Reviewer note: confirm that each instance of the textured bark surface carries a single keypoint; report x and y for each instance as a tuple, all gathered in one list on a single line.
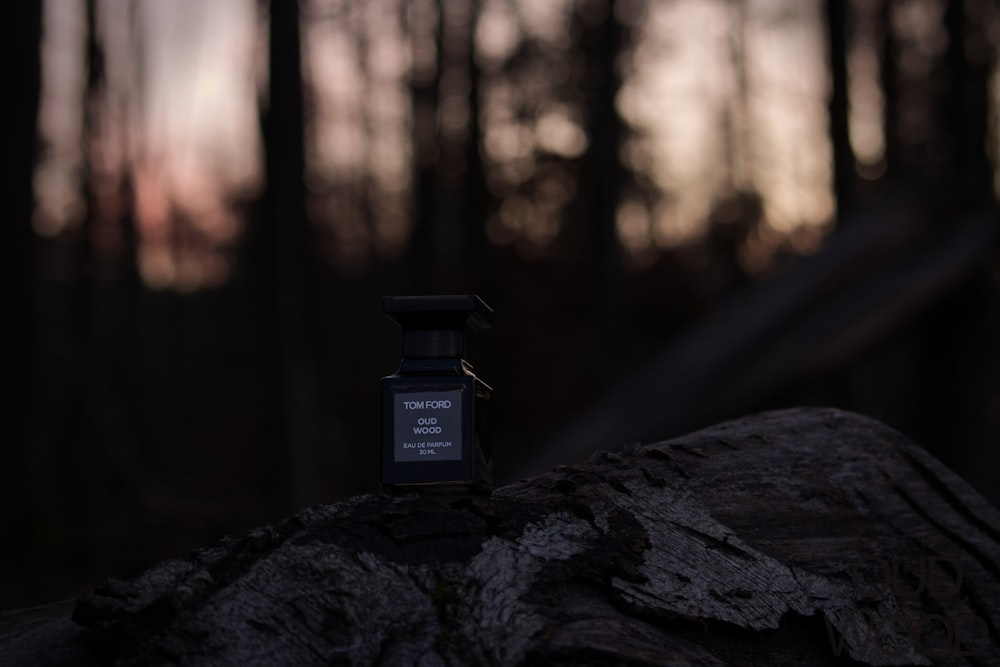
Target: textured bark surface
[(808, 536)]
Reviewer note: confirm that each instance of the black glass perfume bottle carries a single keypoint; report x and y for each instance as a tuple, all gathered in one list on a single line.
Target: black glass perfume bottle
[(435, 411)]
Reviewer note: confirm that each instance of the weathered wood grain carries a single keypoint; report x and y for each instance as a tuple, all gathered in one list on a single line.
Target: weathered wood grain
[(807, 536)]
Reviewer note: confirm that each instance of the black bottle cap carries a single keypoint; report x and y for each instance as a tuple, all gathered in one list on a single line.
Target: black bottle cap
[(434, 327)]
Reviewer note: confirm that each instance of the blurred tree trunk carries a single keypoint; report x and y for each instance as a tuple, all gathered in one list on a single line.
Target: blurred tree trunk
[(21, 53), (962, 431), (479, 268), (425, 16), (604, 177), (448, 236), (966, 107), (280, 262), (936, 129), (844, 178), (893, 155)]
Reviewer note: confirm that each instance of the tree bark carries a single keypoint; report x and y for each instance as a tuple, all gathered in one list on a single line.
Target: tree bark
[(803, 536)]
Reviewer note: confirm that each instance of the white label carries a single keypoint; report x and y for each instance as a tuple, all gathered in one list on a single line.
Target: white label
[(428, 425)]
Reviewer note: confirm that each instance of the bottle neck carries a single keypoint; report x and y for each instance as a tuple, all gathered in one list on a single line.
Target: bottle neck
[(433, 344)]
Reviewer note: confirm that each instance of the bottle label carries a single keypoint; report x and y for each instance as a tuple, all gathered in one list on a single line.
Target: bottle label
[(428, 425)]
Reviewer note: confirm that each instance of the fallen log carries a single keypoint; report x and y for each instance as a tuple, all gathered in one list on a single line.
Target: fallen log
[(805, 536)]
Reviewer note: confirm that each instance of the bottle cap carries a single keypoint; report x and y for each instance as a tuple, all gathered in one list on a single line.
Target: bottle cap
[(435, 327)]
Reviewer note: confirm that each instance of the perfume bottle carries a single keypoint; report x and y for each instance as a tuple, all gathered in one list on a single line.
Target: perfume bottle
[(436, 433)]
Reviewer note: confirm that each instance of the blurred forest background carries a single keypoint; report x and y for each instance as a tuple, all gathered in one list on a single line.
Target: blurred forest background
[(681, 211)]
